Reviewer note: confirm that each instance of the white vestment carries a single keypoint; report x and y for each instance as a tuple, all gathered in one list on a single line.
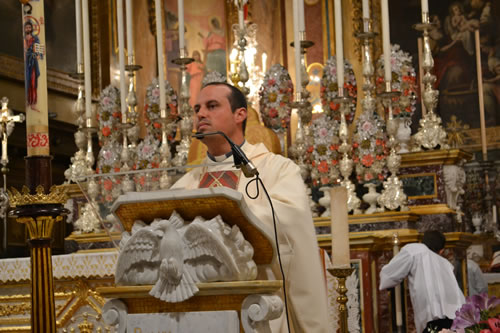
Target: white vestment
[(434, 290), (306, 290), (475, 278)]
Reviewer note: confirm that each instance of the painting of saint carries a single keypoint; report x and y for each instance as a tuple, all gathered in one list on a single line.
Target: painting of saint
[(453, 49), (205, 40), (32, 54), (215, 48)]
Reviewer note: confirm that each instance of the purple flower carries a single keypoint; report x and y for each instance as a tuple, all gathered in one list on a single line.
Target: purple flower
[(468, 315), (483, 302)]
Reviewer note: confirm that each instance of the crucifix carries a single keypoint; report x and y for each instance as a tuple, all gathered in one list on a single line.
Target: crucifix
[(7, 123)]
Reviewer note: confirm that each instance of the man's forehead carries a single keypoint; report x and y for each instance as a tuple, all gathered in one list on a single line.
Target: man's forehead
[(213, 93)]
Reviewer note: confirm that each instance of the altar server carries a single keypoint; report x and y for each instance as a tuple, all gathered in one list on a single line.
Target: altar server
[(434, 291)]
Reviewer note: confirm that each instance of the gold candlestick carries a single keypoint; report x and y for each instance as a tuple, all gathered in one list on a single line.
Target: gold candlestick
[(342, 274)]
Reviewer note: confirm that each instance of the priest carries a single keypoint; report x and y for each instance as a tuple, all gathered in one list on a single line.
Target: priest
[(222, 107)]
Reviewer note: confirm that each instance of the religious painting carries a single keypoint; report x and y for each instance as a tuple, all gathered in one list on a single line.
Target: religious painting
[(60, 43), (206, 40), (454, 52)]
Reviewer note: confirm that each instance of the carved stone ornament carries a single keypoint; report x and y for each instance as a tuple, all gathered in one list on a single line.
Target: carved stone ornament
[(175, 255), (258, 310), (454, 179)]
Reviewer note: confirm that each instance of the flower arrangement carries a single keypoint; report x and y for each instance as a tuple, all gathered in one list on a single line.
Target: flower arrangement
[(109, 113), (478, 314), (369, 147), (275, 95), (148, 153), (329, 89), (323, 154), (404, 80), (152, 108)]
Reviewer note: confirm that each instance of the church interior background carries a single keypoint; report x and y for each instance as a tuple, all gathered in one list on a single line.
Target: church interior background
[(411, 159)]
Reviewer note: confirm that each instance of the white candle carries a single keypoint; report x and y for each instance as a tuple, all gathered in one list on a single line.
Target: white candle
[(386, 40), (78, 20), (494, 208), (296, 44), (302, 22), (339, 227), (4, 149), (425, 6), (241, 21), (130, 33), (366, 9), (339, 47), (264, 61), (86, 60), (159, 50), (121, 59), (180, 6)]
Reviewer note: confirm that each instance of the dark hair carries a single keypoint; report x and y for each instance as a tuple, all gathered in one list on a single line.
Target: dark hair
[(434, 240), (236, 98), (28, 23)]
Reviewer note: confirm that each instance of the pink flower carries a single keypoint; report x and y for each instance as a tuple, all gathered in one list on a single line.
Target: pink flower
[(323, 132)]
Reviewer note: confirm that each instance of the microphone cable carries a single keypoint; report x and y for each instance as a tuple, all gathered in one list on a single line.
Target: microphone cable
[(257, 181)]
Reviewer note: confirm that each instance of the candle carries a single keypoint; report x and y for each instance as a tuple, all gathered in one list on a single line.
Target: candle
[(397, 289), (366, 9), (366, 15), (494, 208), (482, 122), (296, 44), (241, 21), (121, 59), (264, 61), (86, 60), (159, 50), (339, 227), (386, 40), (78, 20), (180, 6), (130, 34), (302, 23), (425, 6), (339, 52)]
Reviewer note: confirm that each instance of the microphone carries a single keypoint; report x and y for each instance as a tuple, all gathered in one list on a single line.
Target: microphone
[(241, 161)]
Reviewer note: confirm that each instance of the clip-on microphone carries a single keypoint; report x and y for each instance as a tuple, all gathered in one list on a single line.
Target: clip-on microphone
[(241, 161)]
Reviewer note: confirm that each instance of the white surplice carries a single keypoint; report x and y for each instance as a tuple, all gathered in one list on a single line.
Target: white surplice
[(306, 290), (434, 290)]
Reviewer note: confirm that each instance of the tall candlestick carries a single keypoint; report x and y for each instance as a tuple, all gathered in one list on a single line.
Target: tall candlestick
[(130, 33), (121, 59), (86, 60), (302, 21), (339, 227), (386, 40), (296, 45), (339, 46), (78, 20), (180, 6), (159, 50)]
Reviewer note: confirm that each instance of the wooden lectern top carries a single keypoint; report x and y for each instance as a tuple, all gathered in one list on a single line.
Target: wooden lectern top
[(205, 202)]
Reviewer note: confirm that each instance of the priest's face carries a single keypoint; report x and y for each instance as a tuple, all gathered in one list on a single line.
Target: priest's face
[(213, 113)]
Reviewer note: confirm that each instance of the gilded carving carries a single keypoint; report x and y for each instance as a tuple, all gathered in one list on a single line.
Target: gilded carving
[(7, 310)]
